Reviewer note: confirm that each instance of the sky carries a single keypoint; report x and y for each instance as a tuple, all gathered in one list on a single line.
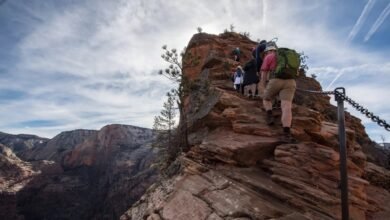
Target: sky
[(70, 64)]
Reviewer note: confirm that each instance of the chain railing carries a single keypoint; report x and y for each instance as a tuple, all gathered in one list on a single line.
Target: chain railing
[(340, 97), (364, 111), (357, 106), (316, 92)]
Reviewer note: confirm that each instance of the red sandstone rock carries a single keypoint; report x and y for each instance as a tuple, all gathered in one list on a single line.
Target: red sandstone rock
[(236, 167)]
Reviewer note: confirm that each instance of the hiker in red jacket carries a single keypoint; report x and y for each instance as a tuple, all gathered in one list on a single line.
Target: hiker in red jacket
[(285, 88)]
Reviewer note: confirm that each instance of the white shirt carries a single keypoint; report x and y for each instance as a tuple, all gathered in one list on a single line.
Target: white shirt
[(237, 80)]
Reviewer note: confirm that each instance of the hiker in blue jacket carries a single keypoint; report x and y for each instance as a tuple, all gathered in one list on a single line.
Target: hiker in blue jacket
[(258, 52)]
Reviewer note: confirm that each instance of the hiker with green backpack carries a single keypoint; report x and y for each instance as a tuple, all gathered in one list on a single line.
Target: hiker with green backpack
[(280, 66)]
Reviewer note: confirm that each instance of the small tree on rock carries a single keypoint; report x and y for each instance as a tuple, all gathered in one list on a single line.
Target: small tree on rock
[(304, 67), (231, 28), (171, 139), (174, 70), (164, 124)]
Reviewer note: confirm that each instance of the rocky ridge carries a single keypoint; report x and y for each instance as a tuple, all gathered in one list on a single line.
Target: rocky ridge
[(237, 167)]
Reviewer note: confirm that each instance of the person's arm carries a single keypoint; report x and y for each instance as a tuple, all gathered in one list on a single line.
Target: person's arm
[(264, 71), (259, 50), (264, 77)]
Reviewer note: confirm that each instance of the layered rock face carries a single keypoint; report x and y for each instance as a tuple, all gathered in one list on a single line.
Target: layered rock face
[(85, 175), (238, 168)]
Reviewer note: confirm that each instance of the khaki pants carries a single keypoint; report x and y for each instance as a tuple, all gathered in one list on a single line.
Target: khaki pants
[(285, 88)]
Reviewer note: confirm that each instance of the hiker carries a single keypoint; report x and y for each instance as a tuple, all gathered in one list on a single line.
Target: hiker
[(258, 54), (236, 54), (238, 78), (250, 77), (284, 87)]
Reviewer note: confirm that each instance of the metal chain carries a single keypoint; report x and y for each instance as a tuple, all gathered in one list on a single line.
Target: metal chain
[(316, 92), (364, 111), (361, 109)]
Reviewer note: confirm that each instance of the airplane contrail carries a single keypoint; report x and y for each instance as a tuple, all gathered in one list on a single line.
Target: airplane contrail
[(382, 17), (361, 19), (334, 80)]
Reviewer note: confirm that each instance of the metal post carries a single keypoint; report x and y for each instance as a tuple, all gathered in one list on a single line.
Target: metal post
[(343, 153)]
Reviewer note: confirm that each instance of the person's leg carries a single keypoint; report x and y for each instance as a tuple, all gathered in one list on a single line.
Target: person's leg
[(287, 96), (267, 104), (271, 90), (248, 90), (238, 86), (261, 90), (286, 113), (286, 121), (268, 108), (252, 88)]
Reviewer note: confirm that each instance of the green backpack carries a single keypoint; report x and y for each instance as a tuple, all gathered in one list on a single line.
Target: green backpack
[(288, 64)]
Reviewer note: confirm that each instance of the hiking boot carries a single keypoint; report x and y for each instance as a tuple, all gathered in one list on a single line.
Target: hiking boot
[(270, 119), (288, 138)]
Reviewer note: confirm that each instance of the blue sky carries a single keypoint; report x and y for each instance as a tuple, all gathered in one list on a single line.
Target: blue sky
[(73, 64)]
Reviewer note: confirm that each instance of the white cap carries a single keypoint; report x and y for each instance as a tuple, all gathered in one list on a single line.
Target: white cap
[(270, 47)]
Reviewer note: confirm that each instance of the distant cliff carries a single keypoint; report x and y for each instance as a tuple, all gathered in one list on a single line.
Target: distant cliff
[(22, 142), (81, 174), (57, 147), (237, 167)]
